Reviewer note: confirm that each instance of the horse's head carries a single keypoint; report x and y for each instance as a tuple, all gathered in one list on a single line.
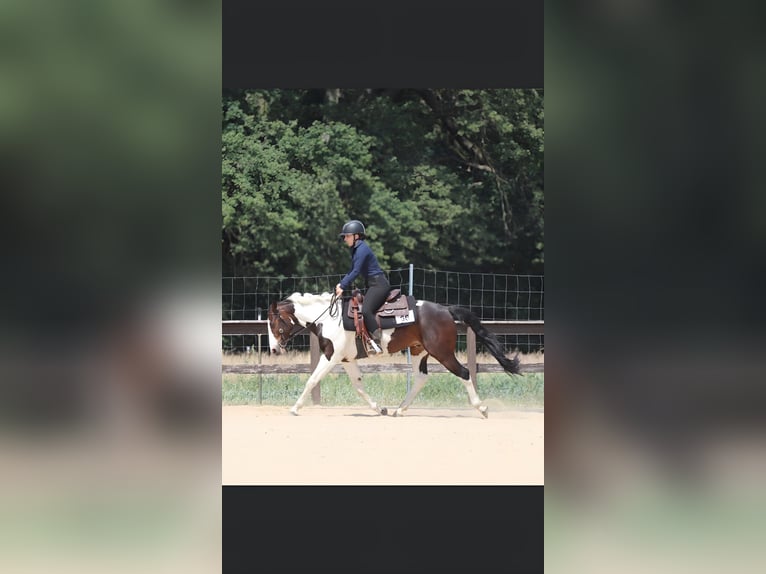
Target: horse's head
[(282, 325)]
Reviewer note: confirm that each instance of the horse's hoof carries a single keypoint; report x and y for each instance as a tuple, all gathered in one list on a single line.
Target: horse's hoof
[(294, 413), (484, 411), (384, 411)]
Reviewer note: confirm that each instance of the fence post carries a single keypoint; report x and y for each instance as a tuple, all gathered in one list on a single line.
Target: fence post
[(316, 394), (470, 346), (260, 375), (409, 355)]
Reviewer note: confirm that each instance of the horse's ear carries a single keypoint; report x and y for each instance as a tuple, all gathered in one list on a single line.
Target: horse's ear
[(272, 309)]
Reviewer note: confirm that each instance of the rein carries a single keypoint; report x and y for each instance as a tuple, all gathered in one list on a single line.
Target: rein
[(291, 335), (330, 307)]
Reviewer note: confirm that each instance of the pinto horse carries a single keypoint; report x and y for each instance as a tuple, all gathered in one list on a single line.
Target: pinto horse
[(433, 331)]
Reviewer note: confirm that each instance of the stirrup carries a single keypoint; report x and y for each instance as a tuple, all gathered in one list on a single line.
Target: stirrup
[(374, 347)]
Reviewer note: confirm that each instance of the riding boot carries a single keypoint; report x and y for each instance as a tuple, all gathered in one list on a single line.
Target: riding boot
[(377, 334)]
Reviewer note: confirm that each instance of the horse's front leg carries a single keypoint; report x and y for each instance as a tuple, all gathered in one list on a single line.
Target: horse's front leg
[(324, 367), (356, 379)]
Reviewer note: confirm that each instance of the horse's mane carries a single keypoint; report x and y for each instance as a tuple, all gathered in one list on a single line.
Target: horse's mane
[(309, 298)]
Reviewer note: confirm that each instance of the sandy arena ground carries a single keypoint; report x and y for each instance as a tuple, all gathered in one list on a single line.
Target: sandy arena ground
[(352, 445)]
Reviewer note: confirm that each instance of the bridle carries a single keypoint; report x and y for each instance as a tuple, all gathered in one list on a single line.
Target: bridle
[(292, 329), (296, 328)]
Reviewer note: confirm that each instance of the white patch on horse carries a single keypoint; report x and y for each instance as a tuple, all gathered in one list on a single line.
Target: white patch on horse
[(273, 343), (310, 298)]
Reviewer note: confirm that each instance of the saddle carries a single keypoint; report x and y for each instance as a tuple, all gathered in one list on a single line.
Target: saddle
[(395, 310), (394, 304)]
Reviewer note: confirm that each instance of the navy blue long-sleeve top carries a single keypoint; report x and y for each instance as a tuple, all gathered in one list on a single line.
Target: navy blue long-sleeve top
[(363, 262)]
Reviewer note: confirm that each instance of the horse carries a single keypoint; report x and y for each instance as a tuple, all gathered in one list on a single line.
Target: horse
[(433, 330)]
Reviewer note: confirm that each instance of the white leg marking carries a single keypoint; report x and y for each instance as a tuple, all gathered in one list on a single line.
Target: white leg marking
[(472, 396)]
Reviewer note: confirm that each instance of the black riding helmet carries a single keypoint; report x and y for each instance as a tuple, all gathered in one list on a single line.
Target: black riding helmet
[(353, 226)]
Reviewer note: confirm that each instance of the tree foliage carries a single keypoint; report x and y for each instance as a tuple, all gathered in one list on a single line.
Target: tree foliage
[(444, 179)]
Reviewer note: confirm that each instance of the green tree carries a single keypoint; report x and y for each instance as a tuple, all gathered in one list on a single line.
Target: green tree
[(448, 179)]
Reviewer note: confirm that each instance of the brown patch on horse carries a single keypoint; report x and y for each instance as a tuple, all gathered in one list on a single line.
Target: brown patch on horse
[(438, 340), (286, 307), (404, 337), (416, 349), (282, 318), (325, 345), (285, 311)]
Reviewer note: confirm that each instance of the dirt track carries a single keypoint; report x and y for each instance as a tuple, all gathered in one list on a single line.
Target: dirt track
[(352, 445)]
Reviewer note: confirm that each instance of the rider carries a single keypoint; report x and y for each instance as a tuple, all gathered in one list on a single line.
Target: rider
[(364, 263)]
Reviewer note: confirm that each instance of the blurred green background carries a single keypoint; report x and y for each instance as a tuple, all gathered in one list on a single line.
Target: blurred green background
[(110, 147), (110, 136), (655, 243)]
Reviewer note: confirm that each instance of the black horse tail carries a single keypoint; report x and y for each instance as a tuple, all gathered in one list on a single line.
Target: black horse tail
[(491, 342)]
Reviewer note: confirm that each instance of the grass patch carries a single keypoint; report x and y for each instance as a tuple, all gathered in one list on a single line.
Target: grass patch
[(441, 390)]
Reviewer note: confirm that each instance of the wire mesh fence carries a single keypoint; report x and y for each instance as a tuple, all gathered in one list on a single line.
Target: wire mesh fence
[(493, 297)]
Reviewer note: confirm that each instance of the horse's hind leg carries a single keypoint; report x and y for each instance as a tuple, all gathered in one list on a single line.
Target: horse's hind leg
[(356, 380), (454, 366), (324, 367), (419, 380)]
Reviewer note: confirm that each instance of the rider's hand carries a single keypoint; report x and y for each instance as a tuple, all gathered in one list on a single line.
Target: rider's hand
[(338, 290)]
